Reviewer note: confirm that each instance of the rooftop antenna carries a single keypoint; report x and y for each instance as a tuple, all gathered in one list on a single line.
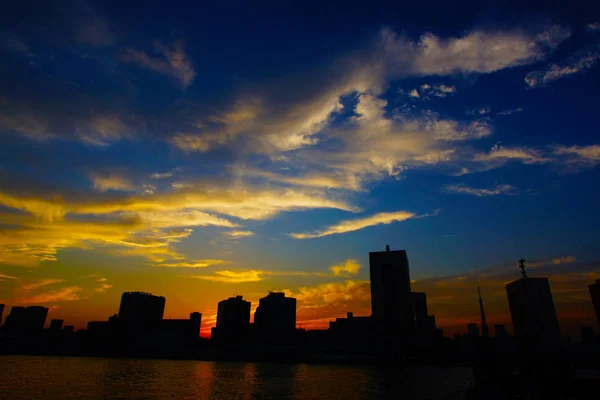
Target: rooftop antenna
[(484, 325), (522, 266), (387, 247)]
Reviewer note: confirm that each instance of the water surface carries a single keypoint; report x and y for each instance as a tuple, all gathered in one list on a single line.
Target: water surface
[(28, 377)]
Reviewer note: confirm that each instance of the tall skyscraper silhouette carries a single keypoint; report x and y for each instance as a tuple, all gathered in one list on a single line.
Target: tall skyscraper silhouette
[(275, 316), (532, 309), (391, 300), (1, 312), (484, 325), (233, 320), (595, 293), (141, 312)]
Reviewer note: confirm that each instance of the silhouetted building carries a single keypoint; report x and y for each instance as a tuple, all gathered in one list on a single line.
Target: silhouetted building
[(1, 312), (391, 300), (595, 293), (68, 329), (140, 312), (275, 316), (26, 320), (499, 330), (56, 325), (233, 320), (179, 330), (472, 329), (532, 310), (484, 325), (352, 333), (424, 323)]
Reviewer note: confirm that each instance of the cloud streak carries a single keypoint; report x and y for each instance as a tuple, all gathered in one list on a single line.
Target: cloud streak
[(567, 68), (173, 61), (481, 192), (357, 224)]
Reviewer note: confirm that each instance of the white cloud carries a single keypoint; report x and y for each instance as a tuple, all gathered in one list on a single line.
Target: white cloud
[(173, 61), (481, 192), (566, 68), (414, 93), (357, 224)]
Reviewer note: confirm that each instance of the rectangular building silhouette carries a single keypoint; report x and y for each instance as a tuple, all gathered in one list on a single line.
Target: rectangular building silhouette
[(391, 300), (140, 312), (532, 311), (233, 320), (595, 294), (275, 316)]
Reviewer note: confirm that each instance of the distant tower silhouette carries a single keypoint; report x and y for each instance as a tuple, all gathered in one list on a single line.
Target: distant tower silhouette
[(484, 325)]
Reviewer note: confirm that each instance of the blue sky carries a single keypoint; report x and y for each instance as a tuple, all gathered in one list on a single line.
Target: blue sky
[(251, 147)]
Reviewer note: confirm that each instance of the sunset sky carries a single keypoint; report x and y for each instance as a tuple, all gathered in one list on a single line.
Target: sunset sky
[(198, 151)]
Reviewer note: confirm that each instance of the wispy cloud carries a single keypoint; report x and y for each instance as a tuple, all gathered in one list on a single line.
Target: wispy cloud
[(593, 26), (163, 175), (17, 44), (481, 192), (566, 68), (427, 91), (192, 264), (588, 156), (357, 224), (173, 61), (69, 293), (106, 181), (227, 276), (510, 111), (236, 234), (4, 276), (41, 283), (501, 154)]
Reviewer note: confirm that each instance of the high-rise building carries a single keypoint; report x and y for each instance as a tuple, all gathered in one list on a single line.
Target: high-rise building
[(532, 309), (56, 325), (275, 315), (595, 293), (472, 329), (1, 312), (140, 312), (391, 300), (424, 323), (26, 320), (233, 319)]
